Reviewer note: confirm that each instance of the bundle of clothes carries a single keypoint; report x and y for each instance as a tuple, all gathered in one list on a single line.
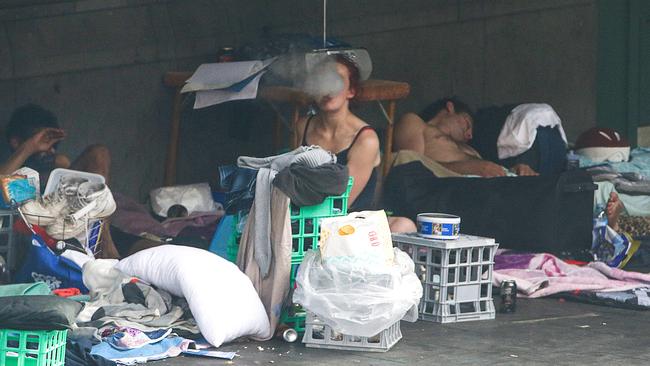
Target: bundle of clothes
[(540, 275), (261, 189)]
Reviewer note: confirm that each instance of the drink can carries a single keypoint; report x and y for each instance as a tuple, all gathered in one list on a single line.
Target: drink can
[(290, 335), (226, 54), (508, 296)]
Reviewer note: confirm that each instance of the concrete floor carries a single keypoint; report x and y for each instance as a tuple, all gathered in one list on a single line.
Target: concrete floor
[(541, 331)]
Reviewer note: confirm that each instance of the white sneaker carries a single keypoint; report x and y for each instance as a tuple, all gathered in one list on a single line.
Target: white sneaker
[(47, 210), (92, 201)]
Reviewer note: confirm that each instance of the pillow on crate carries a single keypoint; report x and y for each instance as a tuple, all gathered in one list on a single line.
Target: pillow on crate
[(221, 297)]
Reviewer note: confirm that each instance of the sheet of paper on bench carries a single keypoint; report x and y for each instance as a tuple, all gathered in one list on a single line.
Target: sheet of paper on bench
[(207, 98), (223, 75)]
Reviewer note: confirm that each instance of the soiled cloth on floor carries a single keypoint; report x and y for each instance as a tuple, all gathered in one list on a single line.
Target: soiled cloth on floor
[(311, 156), (539, 275), (274, 288), (638, 298), (125, 338), (134, 218), (119, 300), (168, 347), (307, 186), (78, 354)]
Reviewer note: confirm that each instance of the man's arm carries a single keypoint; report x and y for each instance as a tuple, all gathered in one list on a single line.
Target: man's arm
[(41, 141), (16, 160), (523, 170)]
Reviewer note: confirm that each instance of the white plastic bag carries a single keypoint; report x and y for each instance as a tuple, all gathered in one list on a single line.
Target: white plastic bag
[(355, 299), (194, 197), (361, 236)]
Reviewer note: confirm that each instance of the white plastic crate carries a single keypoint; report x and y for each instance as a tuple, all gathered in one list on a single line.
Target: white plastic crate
[(456, 276), (320, 335)]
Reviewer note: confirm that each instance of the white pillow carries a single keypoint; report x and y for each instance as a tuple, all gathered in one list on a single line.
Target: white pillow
[(221, 298)]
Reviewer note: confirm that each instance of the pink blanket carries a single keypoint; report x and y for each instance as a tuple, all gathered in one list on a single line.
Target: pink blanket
[(546, 274)]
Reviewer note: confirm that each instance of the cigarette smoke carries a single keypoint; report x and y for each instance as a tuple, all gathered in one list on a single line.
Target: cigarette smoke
[(317, 80), (323, 80)]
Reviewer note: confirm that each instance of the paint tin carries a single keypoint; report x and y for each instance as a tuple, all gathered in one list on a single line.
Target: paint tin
[(438, 226)]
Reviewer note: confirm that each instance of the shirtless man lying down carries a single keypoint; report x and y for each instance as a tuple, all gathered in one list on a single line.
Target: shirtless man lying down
[(442, 132)]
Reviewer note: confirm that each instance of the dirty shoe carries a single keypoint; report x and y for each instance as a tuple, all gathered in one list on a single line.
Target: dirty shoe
[(47, 210), (92, 201)]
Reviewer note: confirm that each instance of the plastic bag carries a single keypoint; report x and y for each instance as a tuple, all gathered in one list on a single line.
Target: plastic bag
[(608, 246), (194, 197), (363, 236), (357, 299)]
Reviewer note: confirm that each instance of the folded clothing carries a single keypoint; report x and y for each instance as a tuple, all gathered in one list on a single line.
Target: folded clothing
[(24, 289), (308, 186), (38, 312)]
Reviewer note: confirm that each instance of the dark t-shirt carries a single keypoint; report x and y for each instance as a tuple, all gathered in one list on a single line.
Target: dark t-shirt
[(44, 168)]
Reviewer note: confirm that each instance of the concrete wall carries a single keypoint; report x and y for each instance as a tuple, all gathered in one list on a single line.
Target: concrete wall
[(99, 63)]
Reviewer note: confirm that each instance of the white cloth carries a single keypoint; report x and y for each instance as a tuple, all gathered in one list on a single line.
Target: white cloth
[(520, 129), (602, 154), (194, 197)]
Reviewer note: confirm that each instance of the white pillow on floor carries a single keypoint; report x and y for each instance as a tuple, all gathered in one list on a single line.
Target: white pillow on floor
[(221, 297)]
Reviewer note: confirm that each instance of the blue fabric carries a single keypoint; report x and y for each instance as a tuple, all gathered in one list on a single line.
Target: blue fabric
[(547, 156), (552, 150), (41, 264), (135, 338), (225, 230), (239, 185), (153, 351), (639, 162)]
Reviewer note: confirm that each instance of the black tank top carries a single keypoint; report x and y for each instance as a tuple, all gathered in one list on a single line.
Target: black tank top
[(365, 199)]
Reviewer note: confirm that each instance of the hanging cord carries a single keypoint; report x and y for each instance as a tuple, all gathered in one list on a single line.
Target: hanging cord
[(324, 23)]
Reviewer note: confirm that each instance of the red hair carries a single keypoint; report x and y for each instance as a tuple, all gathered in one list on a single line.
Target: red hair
[(353, 71)]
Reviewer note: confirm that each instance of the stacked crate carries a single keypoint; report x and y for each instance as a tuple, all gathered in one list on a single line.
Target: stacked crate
[(456, 276)]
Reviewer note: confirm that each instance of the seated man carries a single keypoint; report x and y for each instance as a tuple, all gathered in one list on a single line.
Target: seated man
[(33, 134), (442, 132)]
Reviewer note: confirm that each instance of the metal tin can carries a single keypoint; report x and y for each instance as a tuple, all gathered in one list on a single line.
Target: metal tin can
[(290, 335), (226, 54), (508, 296)]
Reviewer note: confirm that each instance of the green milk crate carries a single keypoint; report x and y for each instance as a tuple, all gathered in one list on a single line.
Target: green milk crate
[(32, 347), (305, 222)]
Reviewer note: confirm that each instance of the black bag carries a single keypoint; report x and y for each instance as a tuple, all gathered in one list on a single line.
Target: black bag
[(536, 214), (547, 156)]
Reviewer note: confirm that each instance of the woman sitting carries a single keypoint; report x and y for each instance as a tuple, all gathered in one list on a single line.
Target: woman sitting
[(337, 129)]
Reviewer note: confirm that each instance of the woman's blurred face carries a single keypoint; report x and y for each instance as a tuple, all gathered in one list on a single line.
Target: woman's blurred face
[(334, 102)]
